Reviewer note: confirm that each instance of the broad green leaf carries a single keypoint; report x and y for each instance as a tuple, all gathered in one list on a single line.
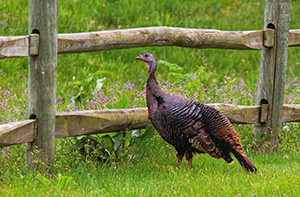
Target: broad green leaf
[(149, 132), (117, 139), (112, 134), (107, 142), (128, 139), (136, 133)]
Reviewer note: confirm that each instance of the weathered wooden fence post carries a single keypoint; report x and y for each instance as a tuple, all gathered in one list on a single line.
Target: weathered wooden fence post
[(272, 73), (42, 79)]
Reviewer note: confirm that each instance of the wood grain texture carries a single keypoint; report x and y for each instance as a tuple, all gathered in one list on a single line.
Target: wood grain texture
[(291, 113), (34, 43), (17, 133), (294, 37), (159, 36), (269, 37), (104, 121), (42, 69), (18, 46), (100, 121), (14, 46), (272, 71)]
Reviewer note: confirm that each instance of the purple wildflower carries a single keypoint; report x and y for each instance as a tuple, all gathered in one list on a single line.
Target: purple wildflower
[(3, 152)]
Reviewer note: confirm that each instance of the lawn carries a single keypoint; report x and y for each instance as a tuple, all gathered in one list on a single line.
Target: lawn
[(134, 166), (155, 174)]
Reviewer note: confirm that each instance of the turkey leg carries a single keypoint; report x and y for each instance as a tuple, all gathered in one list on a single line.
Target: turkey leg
[(179, 160), (190, 163)]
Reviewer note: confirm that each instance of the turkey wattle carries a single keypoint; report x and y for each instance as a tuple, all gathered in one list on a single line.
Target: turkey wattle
[(190, 126)]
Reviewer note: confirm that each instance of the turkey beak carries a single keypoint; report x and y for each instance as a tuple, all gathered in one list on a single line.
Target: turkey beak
[(139, 58)]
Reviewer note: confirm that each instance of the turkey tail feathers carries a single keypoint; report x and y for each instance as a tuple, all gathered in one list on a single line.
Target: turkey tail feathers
[(244, 161), (189, 126), (204, 143)]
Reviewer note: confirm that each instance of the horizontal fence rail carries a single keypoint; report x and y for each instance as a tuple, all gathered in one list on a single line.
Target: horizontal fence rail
[(22, 46), (17, 132), (100, 121), (104, 121)]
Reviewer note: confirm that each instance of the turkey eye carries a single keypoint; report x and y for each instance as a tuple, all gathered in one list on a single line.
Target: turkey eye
[(146, 55)]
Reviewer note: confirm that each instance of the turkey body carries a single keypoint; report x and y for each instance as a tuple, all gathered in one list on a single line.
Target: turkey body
[(191, 127)]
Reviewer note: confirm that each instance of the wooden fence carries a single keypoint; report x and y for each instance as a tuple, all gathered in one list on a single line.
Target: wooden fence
[(21, 46), (43, 44)]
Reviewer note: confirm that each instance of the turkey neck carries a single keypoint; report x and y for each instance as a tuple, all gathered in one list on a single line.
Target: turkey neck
[(153, 91)]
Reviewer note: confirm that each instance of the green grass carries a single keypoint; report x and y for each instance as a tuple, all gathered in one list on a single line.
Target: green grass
[(156, 175), (152, 171)]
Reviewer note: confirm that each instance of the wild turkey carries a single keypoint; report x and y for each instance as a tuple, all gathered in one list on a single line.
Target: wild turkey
[(189, 126)]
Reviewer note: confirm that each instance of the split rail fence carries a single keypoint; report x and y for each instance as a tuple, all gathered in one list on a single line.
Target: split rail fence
[(43, 44)]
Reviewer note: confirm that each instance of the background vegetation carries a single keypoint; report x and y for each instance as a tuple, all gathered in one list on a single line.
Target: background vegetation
[(140, 162)]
